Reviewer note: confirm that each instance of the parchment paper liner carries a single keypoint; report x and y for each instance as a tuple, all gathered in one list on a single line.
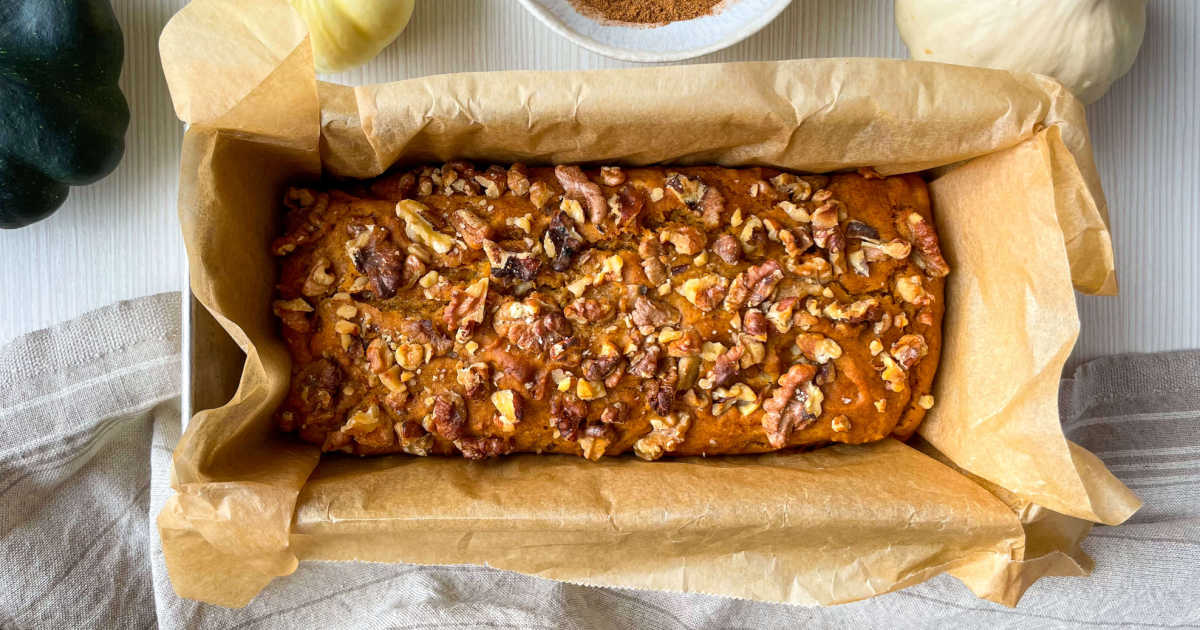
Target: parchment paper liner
[(1022, 218)]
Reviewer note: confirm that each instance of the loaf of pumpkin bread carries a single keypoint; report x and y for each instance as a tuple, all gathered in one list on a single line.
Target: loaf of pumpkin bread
[(665, 311)]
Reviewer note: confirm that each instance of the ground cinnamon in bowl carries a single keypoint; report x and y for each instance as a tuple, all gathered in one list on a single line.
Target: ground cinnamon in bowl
[(648, 12)]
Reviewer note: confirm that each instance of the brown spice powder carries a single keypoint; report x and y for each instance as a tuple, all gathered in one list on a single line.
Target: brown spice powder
[(646, 11)]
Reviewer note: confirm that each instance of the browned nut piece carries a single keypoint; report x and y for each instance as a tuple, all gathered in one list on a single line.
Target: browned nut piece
[(612, 175)]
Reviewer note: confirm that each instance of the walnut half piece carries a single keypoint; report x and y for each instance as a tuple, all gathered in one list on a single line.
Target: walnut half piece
[(482, 309)]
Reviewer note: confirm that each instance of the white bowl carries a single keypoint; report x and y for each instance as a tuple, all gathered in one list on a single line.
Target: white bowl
[(737, 20)]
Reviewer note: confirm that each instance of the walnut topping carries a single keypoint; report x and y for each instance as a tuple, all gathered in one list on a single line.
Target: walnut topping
[(562, 242), (343, 327), (410, 356), (474, 379), (710, 350), (698, 197), (471, 228), (924, 239), (792, 187), (465, 311), (392, 380), (794, 212), (780, 314), (726, 366), (579, 187), (880, 250), (705, 292), (449, 416), (840, 424), (910, 290), (794, 404), (612, 175), (727, 248), (753, 286), (875, 347), (509, 409), (539, 194), (319, 279), (589, 390), (593, 447), (588, 311), (297, 305), (645, 363), (419, 229), (755, 324), (629, 205), (739, 395), (686, 239), (379, 356), (656, 194), (518, 179), (855, 312), (506, 264), (494, 181), (909, 349), (649, 250), (381, 261), (818, 348), (925, 402), (649, 314), (892, 374), (666, 434), (881, 405), (567, 413)]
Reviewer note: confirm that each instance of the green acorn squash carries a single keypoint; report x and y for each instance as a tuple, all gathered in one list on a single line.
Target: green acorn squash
[(62, 116)]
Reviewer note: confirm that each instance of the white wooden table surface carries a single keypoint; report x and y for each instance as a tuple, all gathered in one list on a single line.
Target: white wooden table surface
[(120, 238)]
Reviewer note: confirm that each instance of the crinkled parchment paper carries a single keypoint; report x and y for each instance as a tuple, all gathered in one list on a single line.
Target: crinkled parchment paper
[(991, 492)]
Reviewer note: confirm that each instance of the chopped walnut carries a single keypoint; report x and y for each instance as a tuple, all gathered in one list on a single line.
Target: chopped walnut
[(474, 379), (509, 409), (727, 248), (562, 242), (379, 356), (909, 349), (792, 187), (794, 404), (449, 416), (507, 264), (567, 413), (539, 193), (612, 175), (666, 434), (925, 402), (518, 179), (755, 324), (928, 254), (629, 205), (588, 311), (910, 290), (578, 186), (483, 447), (780, 314), (649, 314), (818, 347), (473, 230), (727, 366), (379, 260), (494, 181), (753, 286), (862, 310), (465, 311), (650, 250), (645, 363), (840, 424), (319, 281), (419, 229), (705, 292), (686, 239), (892, 374)]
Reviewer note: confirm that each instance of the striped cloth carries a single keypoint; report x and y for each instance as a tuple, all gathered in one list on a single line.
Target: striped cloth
[(89, 414)]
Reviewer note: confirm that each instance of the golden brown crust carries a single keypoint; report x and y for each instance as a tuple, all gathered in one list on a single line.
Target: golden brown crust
[(667, 311)]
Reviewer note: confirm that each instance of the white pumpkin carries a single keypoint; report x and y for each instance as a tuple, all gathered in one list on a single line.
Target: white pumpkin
[(349, 33), (1085, 44)]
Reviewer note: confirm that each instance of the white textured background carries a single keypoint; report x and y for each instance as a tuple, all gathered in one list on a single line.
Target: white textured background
[(120, 238)]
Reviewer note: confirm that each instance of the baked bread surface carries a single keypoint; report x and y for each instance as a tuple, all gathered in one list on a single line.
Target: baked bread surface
[(664, 311)]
